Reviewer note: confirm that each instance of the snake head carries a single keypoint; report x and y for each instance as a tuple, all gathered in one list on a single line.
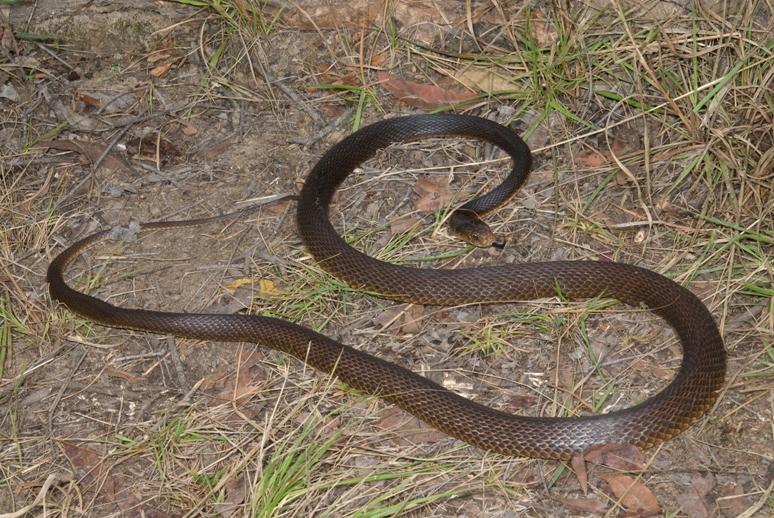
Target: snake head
[(467, 226)]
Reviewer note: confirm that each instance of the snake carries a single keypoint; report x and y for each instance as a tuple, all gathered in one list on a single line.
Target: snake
[(690, 394)]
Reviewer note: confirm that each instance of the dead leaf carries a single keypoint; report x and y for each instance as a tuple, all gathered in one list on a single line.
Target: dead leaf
[(579, 467), (211, 380), (637, 498), (584, 505), (267, 288), (158, 55), (90, 151), (380, 58), (389, 316), (235, 495), (210, 153), (238, 396), (481, 79), (326, 426), (334, 14), (519, 402), (545, 34), (424, 97), (564, 373), (433, 195), (731, 501), (589, 158), (693, 500), (85, 99), (7, 39), (701, 289), (412, 319), (160, 70), (625, 142), (624, 457), (94, 476), (145, 147), (331, 111), (527, 477), (403, 318), (401, 224), (189, 129), (728, 7), (408, 430), (277, 208), (703, 485), (225, 379), (115, 372)]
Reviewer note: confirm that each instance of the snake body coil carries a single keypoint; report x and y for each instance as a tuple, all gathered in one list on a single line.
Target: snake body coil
[(686, 399)]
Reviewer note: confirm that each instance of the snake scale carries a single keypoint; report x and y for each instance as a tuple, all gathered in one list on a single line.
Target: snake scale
[(691, 393)]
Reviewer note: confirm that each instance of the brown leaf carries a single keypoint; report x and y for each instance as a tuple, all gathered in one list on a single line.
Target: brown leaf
[(693, 505), (701, 289), (389, 316), (731, 501), (527, 477), (85, 99), (625, 142), (239, 396), (424, 97), (145, 147), (408, 429), (589, 158), (224, 380), (412, 319), (703, 485), (122, 374), (621, 178), (637, 498), (88, 150), (433, 195), (584, 505), (331, 111), (480, 79), (160, 70), (235, 495), (211, 380), (94, 476), (519, 401), (579, 466), (545, 35), (380, 58), (250, 358), (565, 374), (278, 208), (189, 129), (401, 224), (333, 14), (214, 151), (158, 55), (727, 7), (617, 456), (7, 39), (693, 499)]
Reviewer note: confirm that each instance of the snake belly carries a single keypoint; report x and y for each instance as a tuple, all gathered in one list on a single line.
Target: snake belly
[(692, 392)]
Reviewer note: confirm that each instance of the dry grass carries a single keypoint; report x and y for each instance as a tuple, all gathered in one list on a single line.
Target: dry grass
[(191, 429)]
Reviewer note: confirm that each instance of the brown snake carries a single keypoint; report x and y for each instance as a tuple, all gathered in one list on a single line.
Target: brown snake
[(686, 399)]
